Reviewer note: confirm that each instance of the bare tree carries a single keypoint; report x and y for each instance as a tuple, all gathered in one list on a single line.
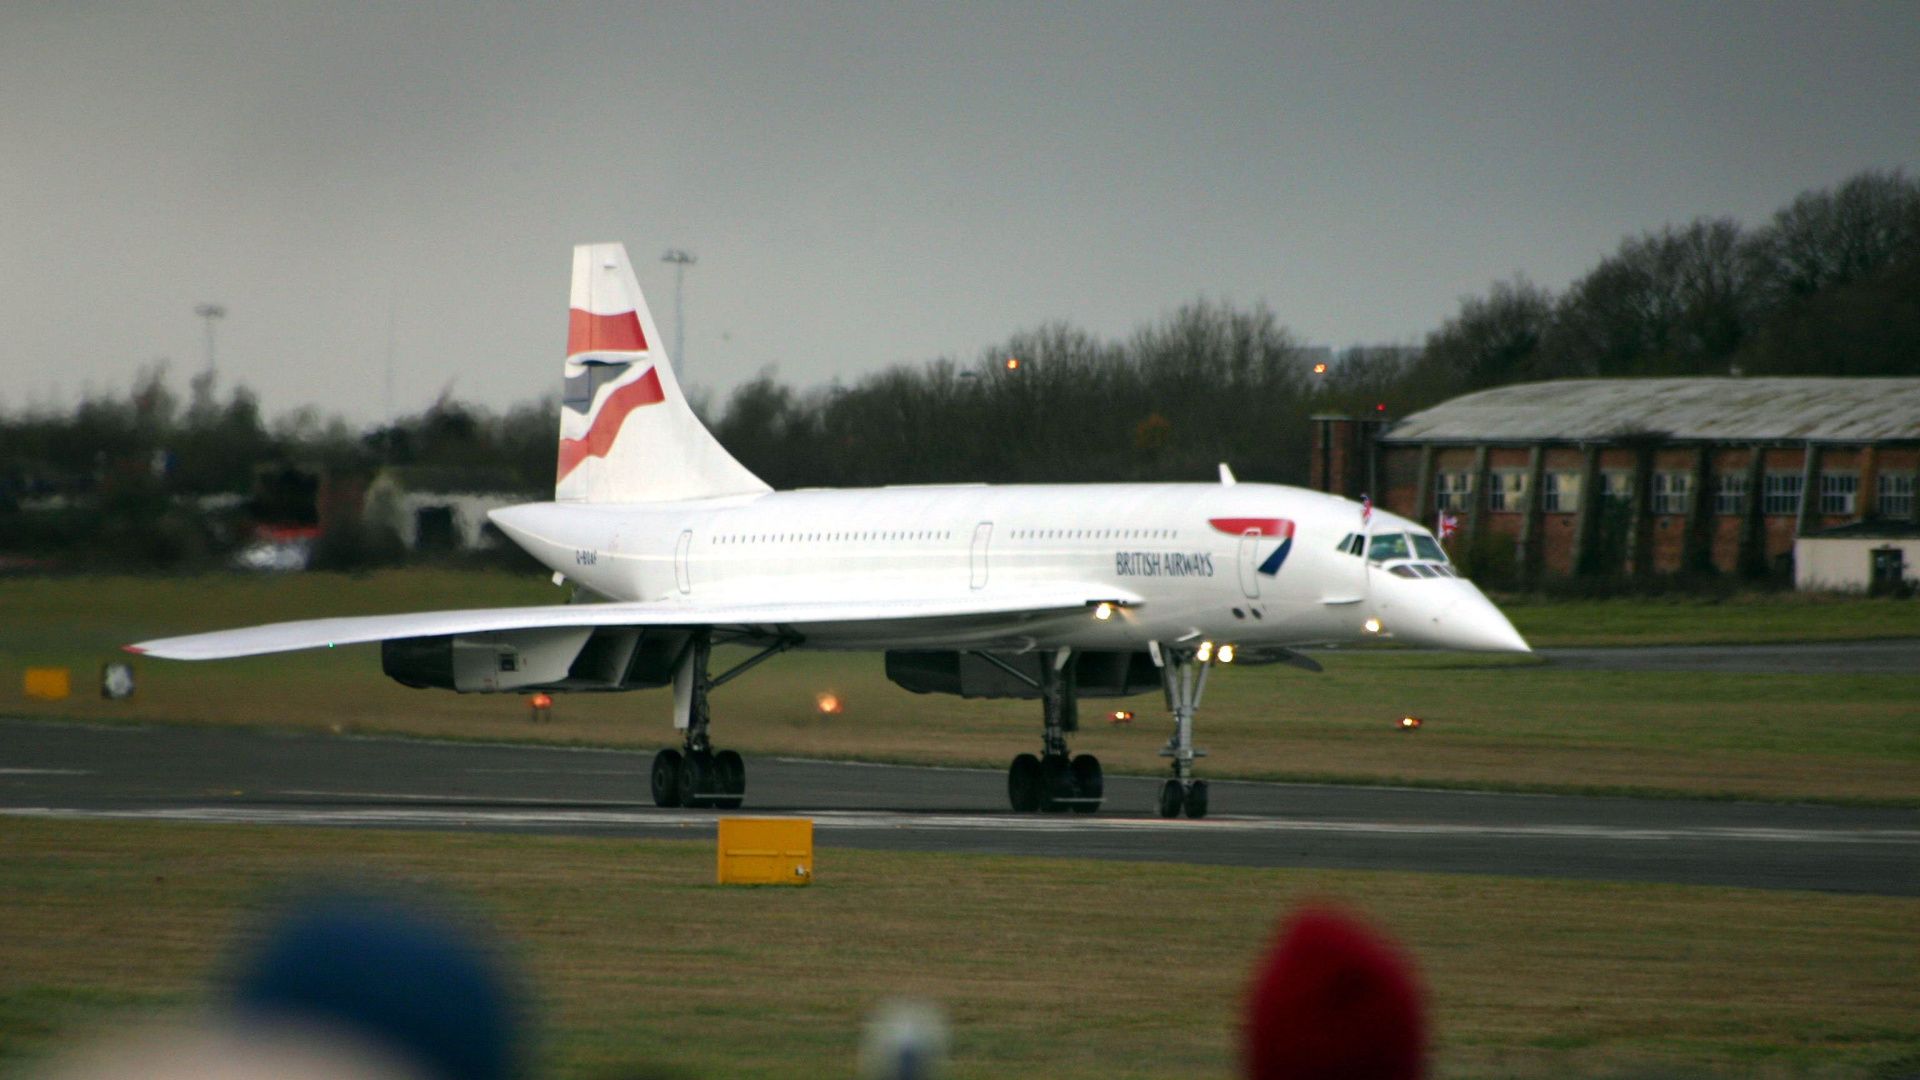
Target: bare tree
[(1494, 340)]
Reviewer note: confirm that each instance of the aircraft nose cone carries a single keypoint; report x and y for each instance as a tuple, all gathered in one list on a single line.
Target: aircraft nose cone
[(1473, 623)]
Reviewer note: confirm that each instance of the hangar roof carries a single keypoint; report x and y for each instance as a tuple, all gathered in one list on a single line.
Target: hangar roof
[(1700, 409)]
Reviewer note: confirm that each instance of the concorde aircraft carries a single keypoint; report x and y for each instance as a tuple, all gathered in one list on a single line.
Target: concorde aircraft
[(1049, 591)]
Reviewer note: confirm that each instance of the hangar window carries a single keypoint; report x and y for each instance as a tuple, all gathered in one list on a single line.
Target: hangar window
[(1838, 492), (1560, 492), (1452, 490), (1617, 485), (1507, 490), (1730, 493), (1672, 492), (1896, 495), (1781, 493)]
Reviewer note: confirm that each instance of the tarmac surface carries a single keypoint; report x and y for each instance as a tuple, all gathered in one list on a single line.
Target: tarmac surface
[(230, 775)]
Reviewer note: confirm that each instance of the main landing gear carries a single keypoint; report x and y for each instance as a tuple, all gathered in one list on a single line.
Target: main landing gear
[(697, 775), (1055, 782), (1183, 674)]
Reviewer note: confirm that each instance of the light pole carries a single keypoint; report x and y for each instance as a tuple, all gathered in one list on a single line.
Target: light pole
[(681, 259), (211, 313)]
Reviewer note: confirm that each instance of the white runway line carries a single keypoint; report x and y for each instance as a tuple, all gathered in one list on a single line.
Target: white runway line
[(857, 820), (490, 801), (46, 772)]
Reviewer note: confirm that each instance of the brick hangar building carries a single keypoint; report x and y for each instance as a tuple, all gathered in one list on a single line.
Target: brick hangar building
[(1642, 476)]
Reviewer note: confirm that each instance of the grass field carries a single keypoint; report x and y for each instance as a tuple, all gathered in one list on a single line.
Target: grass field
[(1047, 968), (1503, 723)]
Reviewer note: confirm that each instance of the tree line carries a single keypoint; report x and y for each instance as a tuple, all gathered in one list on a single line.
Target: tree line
[(1830, 285)]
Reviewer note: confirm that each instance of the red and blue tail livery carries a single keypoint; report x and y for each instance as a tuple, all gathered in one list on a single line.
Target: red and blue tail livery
[(627, 434)]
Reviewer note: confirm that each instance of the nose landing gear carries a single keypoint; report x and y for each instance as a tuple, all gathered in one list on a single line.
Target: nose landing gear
[(1184, 677)]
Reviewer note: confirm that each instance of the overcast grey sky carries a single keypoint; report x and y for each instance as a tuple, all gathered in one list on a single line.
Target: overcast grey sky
[(863, 185)]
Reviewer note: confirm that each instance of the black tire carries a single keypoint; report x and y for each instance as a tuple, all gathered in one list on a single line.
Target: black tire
[(1023, 784), (696, 778), (1089, 782), (666, 778), (1171, 796), (1197, 800), (1056, 783), (730, 779)]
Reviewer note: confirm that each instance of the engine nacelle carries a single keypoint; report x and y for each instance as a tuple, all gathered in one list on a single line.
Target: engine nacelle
[(1095, 673), (556, 660)]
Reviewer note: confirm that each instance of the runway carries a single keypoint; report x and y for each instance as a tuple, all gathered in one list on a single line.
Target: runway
[(224, 775)]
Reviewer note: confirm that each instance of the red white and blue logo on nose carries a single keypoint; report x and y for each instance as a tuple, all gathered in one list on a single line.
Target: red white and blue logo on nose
[(1276, 527)]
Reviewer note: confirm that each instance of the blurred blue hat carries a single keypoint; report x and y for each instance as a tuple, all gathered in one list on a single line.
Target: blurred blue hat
[(413, 982)]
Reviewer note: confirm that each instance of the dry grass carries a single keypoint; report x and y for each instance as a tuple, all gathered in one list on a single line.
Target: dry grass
[(1056, 968)]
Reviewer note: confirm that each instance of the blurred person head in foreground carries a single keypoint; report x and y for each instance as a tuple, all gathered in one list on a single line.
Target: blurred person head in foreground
[(1333, 998), (339, 986), (419, 985)]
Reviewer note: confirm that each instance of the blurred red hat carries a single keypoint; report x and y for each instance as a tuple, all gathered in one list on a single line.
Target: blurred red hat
[(1333, 998)]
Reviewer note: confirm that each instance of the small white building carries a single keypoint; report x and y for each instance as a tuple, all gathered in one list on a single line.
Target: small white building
[(439, 508), (1878, 557)]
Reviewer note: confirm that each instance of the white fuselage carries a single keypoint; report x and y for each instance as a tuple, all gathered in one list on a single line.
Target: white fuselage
[(1154, 546)]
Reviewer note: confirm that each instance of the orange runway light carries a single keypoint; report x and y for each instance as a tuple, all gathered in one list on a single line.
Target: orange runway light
[(828, 702), (1409, 723), (542, 705)]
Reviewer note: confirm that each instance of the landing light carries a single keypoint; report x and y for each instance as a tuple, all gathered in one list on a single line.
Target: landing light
[(1319, 369), (1013, 363), (828, 703), (1121, 716), (1371, 626), (1408, 723), (1226, 654), (1205, 652), (1103, 611)]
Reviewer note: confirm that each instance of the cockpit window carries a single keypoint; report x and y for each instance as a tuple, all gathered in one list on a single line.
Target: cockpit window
[(1389, 546), (1429, 548), (1352, 544)]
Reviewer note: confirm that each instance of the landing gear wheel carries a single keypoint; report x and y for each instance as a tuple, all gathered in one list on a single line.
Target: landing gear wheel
[(1089, 782), (1171, 796), (666, 778), (1197, 800), (696, 779), (1056, 784), (1023, 784), (730, 779)]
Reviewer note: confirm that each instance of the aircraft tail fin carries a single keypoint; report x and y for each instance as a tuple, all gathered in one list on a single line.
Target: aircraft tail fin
[(627, 433)]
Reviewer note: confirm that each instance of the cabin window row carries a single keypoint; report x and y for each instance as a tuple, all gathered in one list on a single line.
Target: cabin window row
[(829, 537), (1095, 534)]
